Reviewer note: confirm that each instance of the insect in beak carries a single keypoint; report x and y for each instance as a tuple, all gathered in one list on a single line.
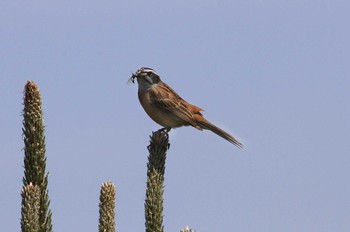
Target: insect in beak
[(132, 79)]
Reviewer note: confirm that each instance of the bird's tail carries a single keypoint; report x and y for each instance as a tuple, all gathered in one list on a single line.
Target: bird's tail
[(205, 124)]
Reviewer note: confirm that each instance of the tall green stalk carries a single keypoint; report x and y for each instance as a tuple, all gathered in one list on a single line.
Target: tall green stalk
[(158, 147), (34, 151)]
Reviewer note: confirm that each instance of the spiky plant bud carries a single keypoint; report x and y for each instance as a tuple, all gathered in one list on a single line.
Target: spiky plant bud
[(187, 230), (107, 208)]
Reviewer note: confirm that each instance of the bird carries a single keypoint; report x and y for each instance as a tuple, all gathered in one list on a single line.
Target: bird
[(168, 109)]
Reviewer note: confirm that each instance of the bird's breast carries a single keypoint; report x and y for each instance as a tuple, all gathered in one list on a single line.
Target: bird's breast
[(160, 116)]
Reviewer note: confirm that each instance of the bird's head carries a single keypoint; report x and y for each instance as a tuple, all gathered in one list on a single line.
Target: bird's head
[(146, 77)]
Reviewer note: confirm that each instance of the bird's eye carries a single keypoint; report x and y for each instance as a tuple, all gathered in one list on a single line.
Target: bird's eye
[(149, 73)]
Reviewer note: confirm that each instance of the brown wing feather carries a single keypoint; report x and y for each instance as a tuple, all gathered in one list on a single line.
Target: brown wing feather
[(167, 99)]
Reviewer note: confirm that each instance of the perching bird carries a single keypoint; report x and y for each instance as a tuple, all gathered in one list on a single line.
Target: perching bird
[(168, 109)]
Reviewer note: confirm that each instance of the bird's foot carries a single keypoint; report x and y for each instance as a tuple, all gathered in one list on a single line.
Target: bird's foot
[(164, 129)]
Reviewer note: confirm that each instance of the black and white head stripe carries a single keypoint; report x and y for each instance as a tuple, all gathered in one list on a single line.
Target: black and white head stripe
[(146, 70)]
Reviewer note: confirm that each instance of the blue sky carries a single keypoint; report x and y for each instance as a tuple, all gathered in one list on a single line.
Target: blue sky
[(275, 74)]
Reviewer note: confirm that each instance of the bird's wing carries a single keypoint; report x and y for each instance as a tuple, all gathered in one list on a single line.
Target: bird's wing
[(166, 99)]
